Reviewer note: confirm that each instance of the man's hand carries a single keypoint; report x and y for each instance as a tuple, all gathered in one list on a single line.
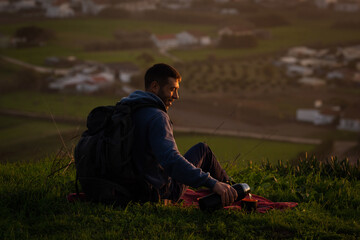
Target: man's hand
[(228, 194)]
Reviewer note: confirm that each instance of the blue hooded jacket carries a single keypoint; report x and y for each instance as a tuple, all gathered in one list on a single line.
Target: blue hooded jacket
[(155, 151)]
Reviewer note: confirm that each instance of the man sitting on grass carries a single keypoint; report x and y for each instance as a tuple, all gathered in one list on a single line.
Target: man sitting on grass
[(155, 152)]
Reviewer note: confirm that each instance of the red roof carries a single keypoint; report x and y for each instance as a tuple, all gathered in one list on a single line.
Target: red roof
[(99, 79), (166, 36)]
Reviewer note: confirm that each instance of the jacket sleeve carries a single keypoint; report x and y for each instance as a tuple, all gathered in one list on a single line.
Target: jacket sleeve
[(164, 148)]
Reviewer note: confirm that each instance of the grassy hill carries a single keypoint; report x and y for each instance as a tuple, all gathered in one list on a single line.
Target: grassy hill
[(33, 205)]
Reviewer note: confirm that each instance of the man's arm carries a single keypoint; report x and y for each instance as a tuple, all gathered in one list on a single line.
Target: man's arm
[(164, 148)]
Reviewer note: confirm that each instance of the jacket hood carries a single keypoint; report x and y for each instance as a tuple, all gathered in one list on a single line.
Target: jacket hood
[(141, 97)]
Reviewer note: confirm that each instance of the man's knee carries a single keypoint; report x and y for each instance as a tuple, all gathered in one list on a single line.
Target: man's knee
[(201, 145)]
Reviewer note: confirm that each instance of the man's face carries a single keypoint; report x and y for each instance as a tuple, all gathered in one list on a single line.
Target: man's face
[(169, 92)]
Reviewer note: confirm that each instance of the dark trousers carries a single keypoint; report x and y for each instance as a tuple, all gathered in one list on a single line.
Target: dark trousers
[(201, 156)]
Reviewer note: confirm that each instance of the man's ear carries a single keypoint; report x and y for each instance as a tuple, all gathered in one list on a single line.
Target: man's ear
[(154, 87)]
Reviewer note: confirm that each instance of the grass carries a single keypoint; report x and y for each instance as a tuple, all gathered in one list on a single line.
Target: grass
[(33, 206)]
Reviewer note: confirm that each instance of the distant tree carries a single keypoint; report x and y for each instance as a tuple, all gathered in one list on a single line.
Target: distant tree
[(33, 36)]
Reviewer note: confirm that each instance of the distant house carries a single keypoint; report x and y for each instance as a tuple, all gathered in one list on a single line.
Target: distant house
[(137, 6), (193, 38), (312, 81), (244, 30), (335, 75), (167, 41), (182, 39), (202, 39), (123, 71), (83, 82), (311, 62), (301, 52), (60, 9), (350, 53), (317, 62), (94, 6), (236, 31), (288, 60), (307, 115), (350, 120), (84, 78), (185, 38), (297, 70), (316, 116)]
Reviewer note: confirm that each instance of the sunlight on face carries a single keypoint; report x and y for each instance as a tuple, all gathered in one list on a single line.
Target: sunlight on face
[(169, 92)]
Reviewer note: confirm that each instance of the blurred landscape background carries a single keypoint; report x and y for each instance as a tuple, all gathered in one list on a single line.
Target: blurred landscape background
[(262, 80)]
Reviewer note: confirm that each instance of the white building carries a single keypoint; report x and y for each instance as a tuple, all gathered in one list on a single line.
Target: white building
[(350, 53), (315, 116), (94, 6), (302, 51), (60, 11), (350, 119), (312, 81), (349, 124), (296, 70), (165, 42), (185, 38)]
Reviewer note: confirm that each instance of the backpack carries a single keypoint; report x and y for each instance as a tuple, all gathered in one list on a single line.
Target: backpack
[(103, 158)]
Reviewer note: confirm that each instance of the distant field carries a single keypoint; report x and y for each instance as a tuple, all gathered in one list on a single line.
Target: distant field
[(238, 152), (27, 139), (300, 33), (76, 106), (73, 34), (24, 139)]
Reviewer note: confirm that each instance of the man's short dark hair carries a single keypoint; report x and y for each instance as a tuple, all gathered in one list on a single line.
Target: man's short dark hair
[(160, 73)]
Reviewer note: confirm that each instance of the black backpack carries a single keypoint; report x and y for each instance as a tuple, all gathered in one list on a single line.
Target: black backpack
[(103, 158)]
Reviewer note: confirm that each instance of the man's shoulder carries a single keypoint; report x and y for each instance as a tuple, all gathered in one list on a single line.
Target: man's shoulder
[(151, 112)]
